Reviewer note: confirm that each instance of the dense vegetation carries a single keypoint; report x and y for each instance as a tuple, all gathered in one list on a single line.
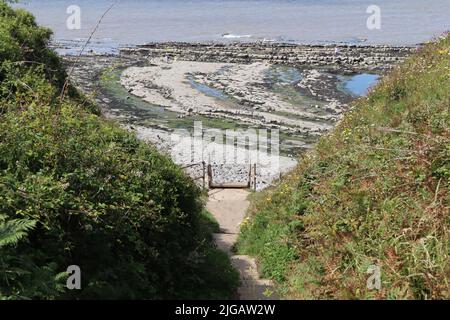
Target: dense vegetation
[(374, 192), (78, 190)]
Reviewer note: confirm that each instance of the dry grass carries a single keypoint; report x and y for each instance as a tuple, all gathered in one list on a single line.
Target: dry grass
[(373, 192)]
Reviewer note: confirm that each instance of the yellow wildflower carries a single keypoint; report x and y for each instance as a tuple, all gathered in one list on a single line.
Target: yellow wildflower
[(245, 222)]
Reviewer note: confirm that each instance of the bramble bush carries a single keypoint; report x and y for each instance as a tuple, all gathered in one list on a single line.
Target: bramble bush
[(77, 189)]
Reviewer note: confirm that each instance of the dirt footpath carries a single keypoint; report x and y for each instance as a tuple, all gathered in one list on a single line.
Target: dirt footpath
[(229, 206)]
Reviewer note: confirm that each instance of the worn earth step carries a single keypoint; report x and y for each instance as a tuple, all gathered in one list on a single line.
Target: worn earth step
[(229, 206), (225, 241), (246, 266), (256, 290)]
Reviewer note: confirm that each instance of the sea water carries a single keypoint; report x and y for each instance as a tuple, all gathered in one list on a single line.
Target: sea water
[(130, 22), (360, 84)]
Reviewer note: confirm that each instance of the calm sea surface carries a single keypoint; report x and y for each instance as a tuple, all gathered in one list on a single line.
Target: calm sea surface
[(301, 21)]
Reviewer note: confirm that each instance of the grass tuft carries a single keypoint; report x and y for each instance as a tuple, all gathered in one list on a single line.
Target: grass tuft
[(373, 192)]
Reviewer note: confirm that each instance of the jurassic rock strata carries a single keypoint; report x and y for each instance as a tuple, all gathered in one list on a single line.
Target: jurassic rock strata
[(345, 57), (250, 101)]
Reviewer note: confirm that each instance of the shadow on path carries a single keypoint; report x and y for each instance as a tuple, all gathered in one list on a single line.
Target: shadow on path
[(229, 206)]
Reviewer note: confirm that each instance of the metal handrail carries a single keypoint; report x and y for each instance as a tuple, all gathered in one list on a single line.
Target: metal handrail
[(208, 172), (232, 185), (203, 163)]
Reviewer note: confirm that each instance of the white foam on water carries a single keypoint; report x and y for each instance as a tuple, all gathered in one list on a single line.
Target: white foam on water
[(300, 21), (236, 36)]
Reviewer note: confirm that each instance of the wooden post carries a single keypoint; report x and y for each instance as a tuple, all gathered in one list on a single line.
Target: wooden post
[(204, 174), (254, 176), (209, 176), (249, 185)]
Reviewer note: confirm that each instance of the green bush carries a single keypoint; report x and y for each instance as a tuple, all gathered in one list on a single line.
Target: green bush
[(89, 193)]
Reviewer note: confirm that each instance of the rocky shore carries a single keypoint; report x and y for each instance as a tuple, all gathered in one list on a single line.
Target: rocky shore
[(248, 100), (344, 57), (296, 89)]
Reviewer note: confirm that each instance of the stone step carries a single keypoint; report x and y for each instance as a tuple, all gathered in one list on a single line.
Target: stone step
[(246, 266), (225, 241), (256, 290), (229, 207)]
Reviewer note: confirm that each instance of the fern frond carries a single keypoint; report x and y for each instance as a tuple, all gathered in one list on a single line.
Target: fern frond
[(13, 230)]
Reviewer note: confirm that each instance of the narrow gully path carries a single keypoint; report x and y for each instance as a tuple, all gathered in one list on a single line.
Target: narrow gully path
[(229, 206)]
